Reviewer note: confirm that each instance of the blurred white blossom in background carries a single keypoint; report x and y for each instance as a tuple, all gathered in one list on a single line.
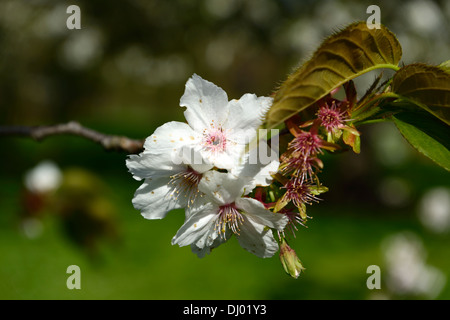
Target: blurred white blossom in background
[(43, 178), (82, 49), (40, 181), (434, 209), (406, 270)]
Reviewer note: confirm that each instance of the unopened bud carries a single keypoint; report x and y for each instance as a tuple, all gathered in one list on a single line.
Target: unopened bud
[(291, 263)]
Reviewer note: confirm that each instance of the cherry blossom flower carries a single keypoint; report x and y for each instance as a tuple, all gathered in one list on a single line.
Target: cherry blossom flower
[(220, 129), (177, 154), (227, 211), (167, 185), (203, 166)]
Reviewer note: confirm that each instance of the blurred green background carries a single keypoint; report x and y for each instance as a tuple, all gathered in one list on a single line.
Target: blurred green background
[(124, 73)]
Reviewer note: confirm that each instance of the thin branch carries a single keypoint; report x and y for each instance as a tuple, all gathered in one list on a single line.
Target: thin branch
[(109, 142)]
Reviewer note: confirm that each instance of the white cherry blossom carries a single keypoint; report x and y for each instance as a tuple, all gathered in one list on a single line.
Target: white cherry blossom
[(228, 211), (167, 184), (177, 154), (220, 128)]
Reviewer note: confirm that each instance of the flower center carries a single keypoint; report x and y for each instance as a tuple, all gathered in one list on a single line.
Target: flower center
[(229, 216), (330, 117), (214, 140), (186, 184), (299, 193), (306, 143), (299, 166)]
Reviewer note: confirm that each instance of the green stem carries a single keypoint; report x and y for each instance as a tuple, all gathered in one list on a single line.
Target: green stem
[(387, 66), (366, 111)]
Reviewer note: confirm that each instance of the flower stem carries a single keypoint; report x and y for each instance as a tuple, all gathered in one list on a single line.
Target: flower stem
[(372, 107)]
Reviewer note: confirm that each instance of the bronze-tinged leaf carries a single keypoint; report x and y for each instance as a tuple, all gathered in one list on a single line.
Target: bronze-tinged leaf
[(426, 86), (352, 139), (342, 57)]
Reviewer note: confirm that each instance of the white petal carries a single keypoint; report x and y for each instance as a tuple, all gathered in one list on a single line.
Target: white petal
[(224, 160), (265, 172), (201, 252), (204, 102), (256, 172), (201, 168), (256, 211), (198, 228), (147, 165), (248, 112), (192, 156), (170, 137), (257, 239), (153, 199), (223, 187)]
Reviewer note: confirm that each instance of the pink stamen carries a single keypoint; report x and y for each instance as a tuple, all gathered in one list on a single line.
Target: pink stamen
[(214, 140), (331, 118), (306, 143), (299, 193), (294, 218), (299, 166)]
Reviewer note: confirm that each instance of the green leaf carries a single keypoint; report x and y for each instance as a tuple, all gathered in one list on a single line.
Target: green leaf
[(427, 134), (425, 86), (342, 57)]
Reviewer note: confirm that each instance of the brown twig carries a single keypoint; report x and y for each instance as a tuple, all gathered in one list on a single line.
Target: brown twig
[(109, 142)]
